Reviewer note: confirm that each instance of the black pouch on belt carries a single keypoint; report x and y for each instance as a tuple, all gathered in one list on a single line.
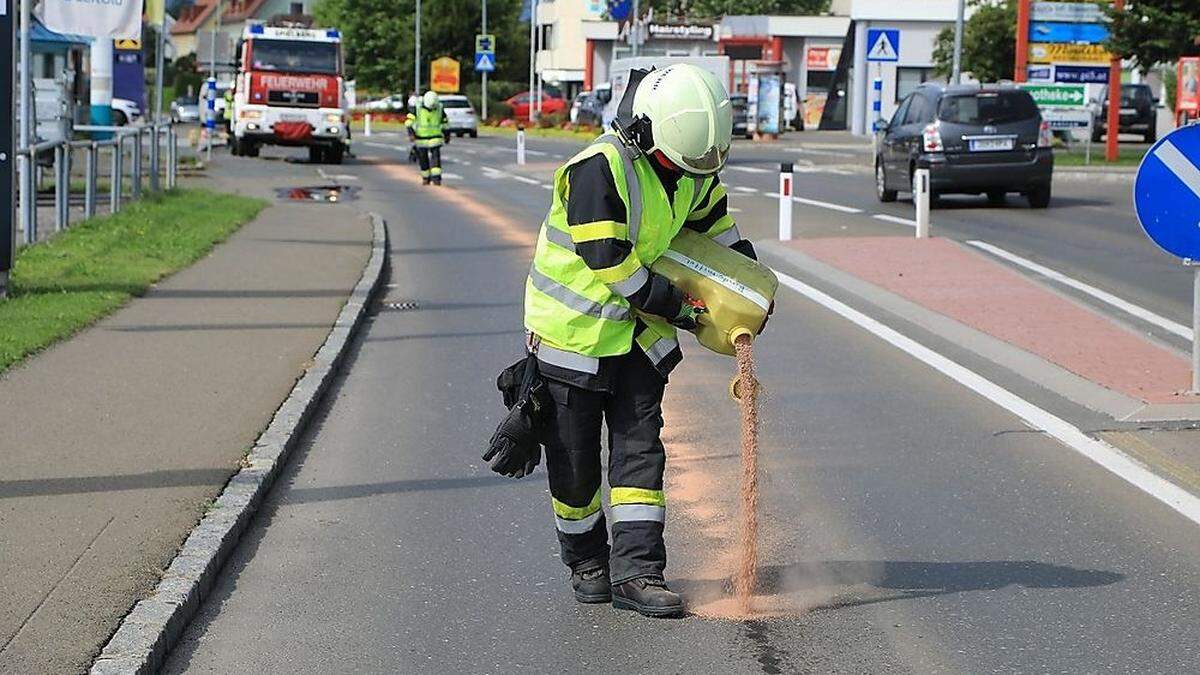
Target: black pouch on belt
[(514, 449)]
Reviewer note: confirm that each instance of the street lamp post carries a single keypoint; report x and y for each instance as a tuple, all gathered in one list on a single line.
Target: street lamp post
[(956, 74), (417, 52)]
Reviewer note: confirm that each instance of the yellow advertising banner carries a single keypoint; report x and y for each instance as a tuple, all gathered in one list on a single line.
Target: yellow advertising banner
[(1052, 52), (443, 75)]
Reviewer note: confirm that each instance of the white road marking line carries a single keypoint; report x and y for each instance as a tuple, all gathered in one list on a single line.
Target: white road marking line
[(524, 179), (733, 209), (749, 190), (749, 169), (538, 153), (548, 186), (1103, 296), (388, 146), (1179, 165), (336, 176), (451, 176), (1113, 460), (825, 153), (826, 205), (895, 219), (818, 204)]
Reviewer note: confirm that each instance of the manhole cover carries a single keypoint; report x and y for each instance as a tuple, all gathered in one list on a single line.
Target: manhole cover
[(318, 193)]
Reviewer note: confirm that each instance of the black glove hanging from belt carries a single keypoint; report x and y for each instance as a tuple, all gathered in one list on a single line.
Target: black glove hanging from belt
[(514, 450)]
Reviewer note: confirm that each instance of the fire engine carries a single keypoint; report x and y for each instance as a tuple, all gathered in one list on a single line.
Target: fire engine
[(289, 91)]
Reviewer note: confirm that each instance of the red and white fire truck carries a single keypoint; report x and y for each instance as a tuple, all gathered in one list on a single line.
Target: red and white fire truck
[(289, 91)]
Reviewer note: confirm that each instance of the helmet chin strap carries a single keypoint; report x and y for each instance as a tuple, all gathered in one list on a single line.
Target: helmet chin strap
[(633, 131)]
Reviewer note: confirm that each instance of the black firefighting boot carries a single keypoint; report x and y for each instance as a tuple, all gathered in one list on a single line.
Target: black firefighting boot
[(649, 596), (591, 584)]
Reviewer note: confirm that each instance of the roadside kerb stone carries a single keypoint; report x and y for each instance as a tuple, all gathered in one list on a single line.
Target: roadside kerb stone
[(151, 628)]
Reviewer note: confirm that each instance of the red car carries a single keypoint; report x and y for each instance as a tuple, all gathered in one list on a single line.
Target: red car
[(551, 104)]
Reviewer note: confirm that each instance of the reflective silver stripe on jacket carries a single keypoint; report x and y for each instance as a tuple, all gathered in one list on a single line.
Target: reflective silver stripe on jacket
[(660, 349), (632, 284), (633, 188), (576, 301), (728, 237), (623, 513), (581, 526), (557, 236), (568, 360)]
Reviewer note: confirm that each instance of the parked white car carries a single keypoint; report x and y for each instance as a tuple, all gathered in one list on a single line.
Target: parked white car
[(125, 111), (460, 112)]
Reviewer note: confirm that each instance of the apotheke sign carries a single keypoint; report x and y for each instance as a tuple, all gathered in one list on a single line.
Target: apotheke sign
[(681, 31)]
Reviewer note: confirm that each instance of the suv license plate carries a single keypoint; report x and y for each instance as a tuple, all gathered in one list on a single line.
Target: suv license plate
[(990, 144), (291, 117)]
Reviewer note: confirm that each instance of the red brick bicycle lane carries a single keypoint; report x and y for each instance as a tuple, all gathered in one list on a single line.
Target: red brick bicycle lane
[(942, 276)]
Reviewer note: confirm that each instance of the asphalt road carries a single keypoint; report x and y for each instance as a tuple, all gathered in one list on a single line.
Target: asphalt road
[(909, 526)]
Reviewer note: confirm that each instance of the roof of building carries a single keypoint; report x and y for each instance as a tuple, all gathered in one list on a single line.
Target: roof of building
[(40, 35), (240, 10), (192, 16)]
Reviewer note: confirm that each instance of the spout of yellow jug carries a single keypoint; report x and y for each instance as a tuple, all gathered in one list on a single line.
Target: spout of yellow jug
[(738, 332)]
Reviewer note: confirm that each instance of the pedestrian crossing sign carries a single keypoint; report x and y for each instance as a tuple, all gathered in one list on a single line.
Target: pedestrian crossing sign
[(883, 44), (485, 62)]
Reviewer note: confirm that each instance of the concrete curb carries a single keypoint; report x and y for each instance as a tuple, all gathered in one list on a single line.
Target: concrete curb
[(148, 632)]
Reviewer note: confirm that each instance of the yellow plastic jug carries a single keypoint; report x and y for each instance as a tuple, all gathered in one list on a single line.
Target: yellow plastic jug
[(737, 290)]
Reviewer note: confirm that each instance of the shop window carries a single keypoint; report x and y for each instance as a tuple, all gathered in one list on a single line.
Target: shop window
[(909, 78)]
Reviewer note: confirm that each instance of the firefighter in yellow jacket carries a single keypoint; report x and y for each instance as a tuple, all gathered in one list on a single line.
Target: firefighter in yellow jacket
[(604, 326), (426, 126)]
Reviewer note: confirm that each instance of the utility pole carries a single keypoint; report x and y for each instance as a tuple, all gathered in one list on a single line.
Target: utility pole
[(158, 96), (417, 51), (1021, 67), (212, 75), (484, 97), (532, 51), (956, 74)]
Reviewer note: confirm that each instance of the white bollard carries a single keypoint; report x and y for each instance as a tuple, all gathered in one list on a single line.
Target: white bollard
[(367, 125), (921, 201), (785, 201), (520, 146)]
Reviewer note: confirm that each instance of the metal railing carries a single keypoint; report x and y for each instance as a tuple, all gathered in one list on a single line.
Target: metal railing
[(116, 146)]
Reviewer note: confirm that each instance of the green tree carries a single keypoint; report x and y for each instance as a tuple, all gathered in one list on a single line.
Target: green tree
[(378, 38), (989, 42), (683, 10), (719, 8), (1155, 31)]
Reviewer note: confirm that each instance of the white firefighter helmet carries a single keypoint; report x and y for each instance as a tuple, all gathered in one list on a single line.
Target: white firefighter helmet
[(691, 119)]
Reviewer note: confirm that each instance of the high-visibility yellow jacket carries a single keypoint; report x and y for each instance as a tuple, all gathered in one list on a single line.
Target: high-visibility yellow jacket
[(428, 125), (585, 272)]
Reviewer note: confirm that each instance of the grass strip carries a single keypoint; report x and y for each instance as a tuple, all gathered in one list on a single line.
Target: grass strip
[(62, 285), (1077, 155)]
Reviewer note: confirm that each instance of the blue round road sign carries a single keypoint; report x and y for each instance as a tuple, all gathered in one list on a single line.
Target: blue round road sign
[(1166, 193)]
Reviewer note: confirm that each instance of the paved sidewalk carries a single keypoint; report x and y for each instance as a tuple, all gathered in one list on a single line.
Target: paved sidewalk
[(116, 441)]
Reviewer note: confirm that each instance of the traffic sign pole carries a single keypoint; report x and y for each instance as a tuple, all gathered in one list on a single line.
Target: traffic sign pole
[(484, 97), (1113, 123), (7, 142), (1195, 329)]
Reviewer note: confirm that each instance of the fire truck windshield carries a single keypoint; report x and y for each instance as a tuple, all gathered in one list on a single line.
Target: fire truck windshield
[(294, 56)]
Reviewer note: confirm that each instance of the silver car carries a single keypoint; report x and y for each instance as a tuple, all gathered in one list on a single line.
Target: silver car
[(460, 112), (185, 111)]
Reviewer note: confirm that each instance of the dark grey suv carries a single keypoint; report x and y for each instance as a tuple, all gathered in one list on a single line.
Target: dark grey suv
[(974, 139)]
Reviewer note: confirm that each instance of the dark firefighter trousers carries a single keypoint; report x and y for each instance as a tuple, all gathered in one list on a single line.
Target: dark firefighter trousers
[(632, 410), (430, 160)]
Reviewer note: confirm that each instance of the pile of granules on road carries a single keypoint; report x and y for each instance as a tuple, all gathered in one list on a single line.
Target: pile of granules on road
[(747, 394)]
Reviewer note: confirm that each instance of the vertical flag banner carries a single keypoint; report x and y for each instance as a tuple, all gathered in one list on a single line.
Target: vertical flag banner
[(109, 19)]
